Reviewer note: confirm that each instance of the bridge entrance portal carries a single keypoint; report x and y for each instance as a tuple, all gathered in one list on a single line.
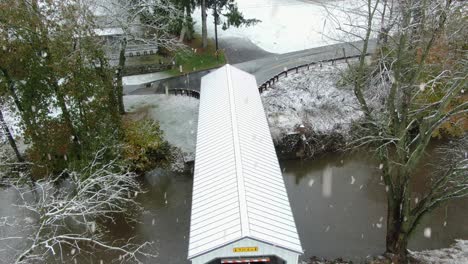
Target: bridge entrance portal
[(249, 260)]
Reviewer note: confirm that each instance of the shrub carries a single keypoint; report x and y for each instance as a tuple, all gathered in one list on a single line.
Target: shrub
[(144, 145)]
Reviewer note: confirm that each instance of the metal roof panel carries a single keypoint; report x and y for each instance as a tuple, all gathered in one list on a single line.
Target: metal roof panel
[(235, 150)]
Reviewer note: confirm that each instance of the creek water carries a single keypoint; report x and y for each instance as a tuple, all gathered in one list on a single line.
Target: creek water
[(338, 203)]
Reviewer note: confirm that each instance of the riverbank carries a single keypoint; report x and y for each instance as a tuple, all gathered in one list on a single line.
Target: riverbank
[(455, 254), (310, 113)]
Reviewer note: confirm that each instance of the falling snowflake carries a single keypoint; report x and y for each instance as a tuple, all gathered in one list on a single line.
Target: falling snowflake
[(381, 166), (352, 179), (92, 227), (422, 87), (427, 232), (311, 182)]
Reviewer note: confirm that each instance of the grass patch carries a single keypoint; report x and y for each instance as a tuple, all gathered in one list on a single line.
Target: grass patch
[(147, 60), (199, 59)]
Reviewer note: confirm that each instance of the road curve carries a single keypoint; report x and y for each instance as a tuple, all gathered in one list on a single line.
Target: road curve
[(263, 69)]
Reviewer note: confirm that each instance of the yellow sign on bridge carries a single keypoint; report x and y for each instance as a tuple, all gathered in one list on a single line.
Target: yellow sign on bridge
[(245, 249)]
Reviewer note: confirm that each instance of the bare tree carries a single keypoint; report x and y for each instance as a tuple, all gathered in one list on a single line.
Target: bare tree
[(421, 76), (63, 215)]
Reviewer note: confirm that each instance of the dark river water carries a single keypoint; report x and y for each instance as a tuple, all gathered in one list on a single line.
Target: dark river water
[(338, 203)]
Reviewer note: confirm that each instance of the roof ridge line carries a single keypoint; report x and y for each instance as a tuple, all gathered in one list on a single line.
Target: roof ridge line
[(245, 229)]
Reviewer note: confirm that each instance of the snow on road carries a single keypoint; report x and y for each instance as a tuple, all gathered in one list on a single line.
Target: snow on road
[(144, 78), (291, 25)]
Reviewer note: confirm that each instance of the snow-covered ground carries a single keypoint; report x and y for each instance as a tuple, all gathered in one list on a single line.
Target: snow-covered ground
[(177, 116), (291, 25), (310, 98), (144, 78), (12, 120), (456, 254)]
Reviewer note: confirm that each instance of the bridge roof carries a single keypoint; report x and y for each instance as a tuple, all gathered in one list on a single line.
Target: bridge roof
[(238, 188)]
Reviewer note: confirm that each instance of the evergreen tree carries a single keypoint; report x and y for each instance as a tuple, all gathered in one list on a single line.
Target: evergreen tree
[(225, 13)]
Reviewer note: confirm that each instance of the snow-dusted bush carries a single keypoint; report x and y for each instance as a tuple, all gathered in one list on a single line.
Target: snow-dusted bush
[(313, 105)]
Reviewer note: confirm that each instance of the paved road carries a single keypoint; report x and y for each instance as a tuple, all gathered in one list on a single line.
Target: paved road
[(263, 68), (239, 50)]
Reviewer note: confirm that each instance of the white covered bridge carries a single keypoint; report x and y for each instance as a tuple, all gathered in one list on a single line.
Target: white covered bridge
[(240, 207)]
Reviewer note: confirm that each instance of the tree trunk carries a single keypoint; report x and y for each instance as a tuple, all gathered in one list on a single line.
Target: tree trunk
[(397, 244), (65, 113), (188, 21), (184, 26), (216, 28), (113, 103), (11, 140), (119, 84), (11, 88), (382, 37), (204, 26), (397, 229), (182, 33)]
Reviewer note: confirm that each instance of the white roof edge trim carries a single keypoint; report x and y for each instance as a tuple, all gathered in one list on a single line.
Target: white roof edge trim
[(242, 238), (245, 230)]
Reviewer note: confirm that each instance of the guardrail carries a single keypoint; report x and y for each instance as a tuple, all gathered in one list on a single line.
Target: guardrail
[(267, 84), (186, 92)]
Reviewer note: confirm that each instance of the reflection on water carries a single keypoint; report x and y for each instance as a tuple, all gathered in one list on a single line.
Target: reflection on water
[(339, 206), (343, 212), (327, 181)]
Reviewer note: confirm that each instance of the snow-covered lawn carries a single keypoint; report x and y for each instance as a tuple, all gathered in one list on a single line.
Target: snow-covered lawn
[(177, 116), (456, 254), (291, 25), (311, 98)]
